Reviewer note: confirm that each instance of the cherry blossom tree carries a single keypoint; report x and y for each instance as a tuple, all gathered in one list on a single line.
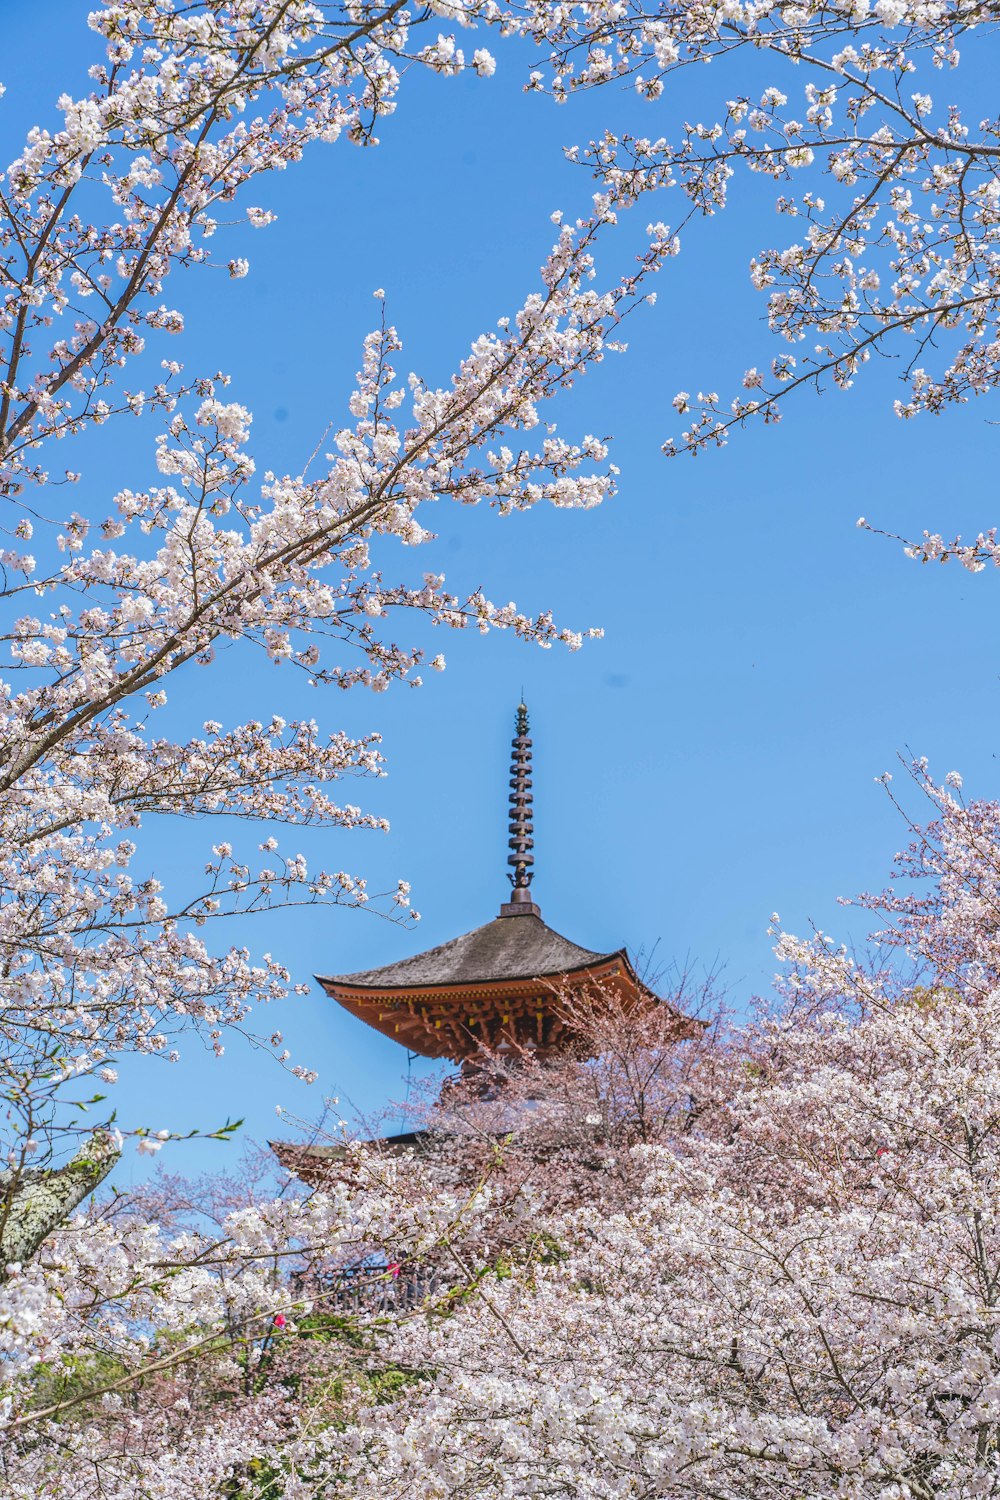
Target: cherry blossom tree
[(791, 1291), (811, 1309), (144, 1348), (892, 192), (188, 109), (106, 611), (884, 165), (798, 1298), (98, 965), (652, 1074)]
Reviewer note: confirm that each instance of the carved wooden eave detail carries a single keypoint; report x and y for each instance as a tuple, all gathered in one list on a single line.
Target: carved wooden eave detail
[(456, 1017)]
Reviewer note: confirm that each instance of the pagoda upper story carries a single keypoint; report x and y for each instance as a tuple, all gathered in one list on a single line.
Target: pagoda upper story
[(500, 987)]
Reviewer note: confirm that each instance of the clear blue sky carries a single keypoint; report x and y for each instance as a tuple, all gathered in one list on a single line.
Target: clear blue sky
[(714, 757)]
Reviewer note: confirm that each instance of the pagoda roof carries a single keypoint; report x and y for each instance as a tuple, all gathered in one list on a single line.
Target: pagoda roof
[(497, 986), (502, 986), (316, 1164), (511, 947)]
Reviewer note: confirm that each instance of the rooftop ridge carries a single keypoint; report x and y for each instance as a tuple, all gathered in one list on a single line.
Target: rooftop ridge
[(498, 950)]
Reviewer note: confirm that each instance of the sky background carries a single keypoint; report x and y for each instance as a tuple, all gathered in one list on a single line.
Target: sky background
[(712, 759)]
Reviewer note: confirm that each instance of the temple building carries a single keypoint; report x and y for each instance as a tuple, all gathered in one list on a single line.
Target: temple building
[(499, 989)]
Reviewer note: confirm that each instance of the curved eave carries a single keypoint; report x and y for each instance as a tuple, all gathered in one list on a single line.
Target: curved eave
[(335, 987), (318, 1165), (453, 1020)]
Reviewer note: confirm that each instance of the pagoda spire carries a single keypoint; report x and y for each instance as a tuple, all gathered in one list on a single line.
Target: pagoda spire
[(521, 860)]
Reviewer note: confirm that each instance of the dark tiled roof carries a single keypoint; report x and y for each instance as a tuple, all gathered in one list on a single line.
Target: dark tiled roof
[(516, 947), (292, 1154)]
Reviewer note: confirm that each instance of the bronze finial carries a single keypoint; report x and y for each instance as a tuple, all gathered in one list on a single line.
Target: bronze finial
[(521, 860)]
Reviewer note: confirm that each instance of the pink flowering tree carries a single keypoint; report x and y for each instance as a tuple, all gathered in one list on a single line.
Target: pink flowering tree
[(856, 131), (102, 610), (169, 1344), (857, 123), (188, 109), (792, 1291), (798, 1298)]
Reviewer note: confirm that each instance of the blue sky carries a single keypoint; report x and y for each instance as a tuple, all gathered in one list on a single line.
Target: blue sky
[(714, 758)]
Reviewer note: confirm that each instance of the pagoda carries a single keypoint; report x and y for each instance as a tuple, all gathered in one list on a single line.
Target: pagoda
[(497, 989)]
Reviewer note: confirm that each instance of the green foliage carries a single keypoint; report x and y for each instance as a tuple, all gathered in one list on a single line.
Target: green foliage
[(326, 1327), (73, 1382), (260, 1480), (928, 997), (378, 1386), (548, 1250)]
